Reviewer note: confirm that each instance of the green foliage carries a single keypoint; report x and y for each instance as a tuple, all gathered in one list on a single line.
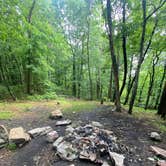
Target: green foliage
[(46, 96), (6, 115), (11, 146)]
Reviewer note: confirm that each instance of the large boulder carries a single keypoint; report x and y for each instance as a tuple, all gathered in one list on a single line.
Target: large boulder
[(18, 136)]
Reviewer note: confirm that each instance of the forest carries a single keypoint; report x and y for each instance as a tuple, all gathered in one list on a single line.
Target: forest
[(90, 49), (82, 82)]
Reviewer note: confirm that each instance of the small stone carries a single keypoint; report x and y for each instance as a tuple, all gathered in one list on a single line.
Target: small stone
[(155, 136), (63, 122), (57, 142), (40, 131), (105, 164), (87, 155), (96, 124), (151, 159), (69, 129), (56, 114), (118, 158), (52, 136)]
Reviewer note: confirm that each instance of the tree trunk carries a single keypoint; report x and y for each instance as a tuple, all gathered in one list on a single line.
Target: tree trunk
[(141, 58), (110, 86), (142, 88), (160, 86), (162, 105), (88, 54), (74, 86), (154, 62), (113, 57), (124, 46), (29, 69), (129, 85)]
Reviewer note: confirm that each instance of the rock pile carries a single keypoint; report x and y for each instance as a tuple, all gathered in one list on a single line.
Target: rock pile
[(89, 143)]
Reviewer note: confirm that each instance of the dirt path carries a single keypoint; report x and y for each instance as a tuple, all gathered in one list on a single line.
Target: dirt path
[(131, 132)]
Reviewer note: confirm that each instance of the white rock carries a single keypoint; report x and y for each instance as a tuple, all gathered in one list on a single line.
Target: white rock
[(96, 124), (40, 131), (118, 158), (105, 164), (155, 136), (63, 122)]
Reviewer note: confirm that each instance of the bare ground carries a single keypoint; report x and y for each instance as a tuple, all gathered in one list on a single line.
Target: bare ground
[(131, 132)]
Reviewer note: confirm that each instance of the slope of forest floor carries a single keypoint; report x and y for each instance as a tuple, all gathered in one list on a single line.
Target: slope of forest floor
[(132, 131)]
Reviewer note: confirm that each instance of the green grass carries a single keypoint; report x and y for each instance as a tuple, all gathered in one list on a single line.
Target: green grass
[(6, 115), (78, 105), (150, 117)]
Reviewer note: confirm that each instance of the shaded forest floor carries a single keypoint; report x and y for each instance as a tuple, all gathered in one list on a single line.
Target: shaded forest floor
[(132, 131)]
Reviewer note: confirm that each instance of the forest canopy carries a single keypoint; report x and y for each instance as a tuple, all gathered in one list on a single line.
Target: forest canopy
[(91, 49)]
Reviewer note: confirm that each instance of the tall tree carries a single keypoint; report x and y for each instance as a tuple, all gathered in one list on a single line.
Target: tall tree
[(113, 57)]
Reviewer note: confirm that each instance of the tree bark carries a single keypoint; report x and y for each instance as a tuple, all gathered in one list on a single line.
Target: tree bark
[(142, 88), (88, 54), (151, 82), (130, 82), (124, 46), (113, 57), (160, 86), (162, 105), (29, 69)]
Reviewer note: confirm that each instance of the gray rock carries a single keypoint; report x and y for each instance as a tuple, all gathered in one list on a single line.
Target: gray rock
[(18, 135), (63, 122), (2, 143), (40, 131), (4, 133), (96, 124), (69, 129), (118, 158), (52, 136), (88, 155), (57, 142), (155, 136), (66, 151)]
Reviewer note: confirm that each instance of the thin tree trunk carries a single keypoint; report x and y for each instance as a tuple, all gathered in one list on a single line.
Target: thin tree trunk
[(88, 54), (160, 86), (124, 46), (162, 105), (142, 54), (29, 70), (130, 82), (110, 86), (142, 88), (113, 57), (151, 82), (74, 86)]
